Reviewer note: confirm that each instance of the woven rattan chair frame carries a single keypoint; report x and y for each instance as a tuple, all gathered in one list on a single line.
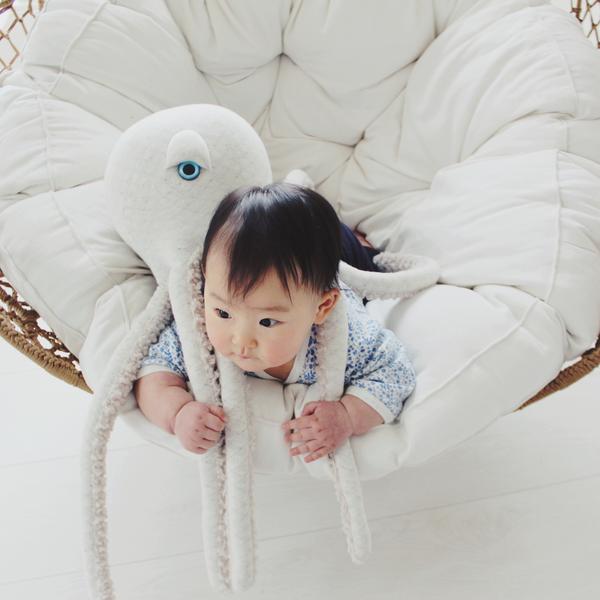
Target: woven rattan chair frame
[(22, 327)]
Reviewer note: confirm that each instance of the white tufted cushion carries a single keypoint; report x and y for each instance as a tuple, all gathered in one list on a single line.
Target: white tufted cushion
[(460, 129)]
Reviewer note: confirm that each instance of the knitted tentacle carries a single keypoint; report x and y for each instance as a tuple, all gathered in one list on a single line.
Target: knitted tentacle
[(232, 520), (348, 491), (188, 308), (332, 344), (240, 498), (111, 395), (404, 275)]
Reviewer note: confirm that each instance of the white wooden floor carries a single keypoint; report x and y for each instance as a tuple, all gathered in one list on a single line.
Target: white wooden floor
[(513, 513)]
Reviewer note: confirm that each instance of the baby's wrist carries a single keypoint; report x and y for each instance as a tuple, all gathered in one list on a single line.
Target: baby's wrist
[(173, 420), (362, 416)]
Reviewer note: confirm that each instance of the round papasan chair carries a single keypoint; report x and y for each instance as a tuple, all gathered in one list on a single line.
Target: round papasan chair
[(463, 130)]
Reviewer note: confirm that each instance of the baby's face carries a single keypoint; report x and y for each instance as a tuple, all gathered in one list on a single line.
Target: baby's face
[(266, 329)]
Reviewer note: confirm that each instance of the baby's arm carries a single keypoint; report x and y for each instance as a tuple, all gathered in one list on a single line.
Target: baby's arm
[(165, 401), (379, 372), (160, 396), (160, 389)]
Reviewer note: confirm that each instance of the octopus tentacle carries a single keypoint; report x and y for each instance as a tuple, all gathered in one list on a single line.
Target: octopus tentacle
[(202, 370), (233, 541), (109, 399), (332, 341), (403, 276)]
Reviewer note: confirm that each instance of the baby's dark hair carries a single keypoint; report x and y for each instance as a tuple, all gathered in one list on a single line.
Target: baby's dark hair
[(290, 228)]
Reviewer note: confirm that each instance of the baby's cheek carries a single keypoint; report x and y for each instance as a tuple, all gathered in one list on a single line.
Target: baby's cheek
[(216, 335), (281, 349)]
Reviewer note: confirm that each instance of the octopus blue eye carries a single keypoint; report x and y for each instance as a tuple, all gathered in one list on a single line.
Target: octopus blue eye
[(188, 170)]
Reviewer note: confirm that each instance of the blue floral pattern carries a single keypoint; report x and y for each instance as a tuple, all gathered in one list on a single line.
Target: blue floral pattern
[(378, 369)]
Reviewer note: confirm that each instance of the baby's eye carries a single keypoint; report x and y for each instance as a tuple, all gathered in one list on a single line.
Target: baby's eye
[(188, 170), (268, 326), (221, 313)]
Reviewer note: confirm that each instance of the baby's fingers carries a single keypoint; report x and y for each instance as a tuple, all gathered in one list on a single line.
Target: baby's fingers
[(213, 422), (217, 410), (317, 454), (204, 433)]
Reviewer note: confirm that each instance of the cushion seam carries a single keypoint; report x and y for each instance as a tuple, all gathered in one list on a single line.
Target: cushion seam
[(46, 140), (123, 306), (476, 356), (556, 258), (69, 223), (549, 33), (75, 39), (34, 26)]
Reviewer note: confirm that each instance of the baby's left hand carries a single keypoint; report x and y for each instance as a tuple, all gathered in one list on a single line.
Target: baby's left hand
[(323, 427)]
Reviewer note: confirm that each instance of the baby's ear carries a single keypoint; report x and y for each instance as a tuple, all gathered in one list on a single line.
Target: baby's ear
[(188, 145), (328, 302)]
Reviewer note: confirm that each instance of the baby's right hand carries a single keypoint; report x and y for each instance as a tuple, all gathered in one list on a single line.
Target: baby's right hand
[(198, 425)]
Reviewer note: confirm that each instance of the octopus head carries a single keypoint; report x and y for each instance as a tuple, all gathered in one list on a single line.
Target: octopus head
[(167, 173)]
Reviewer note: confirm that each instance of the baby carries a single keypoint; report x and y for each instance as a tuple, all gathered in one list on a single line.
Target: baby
[(269, 266)]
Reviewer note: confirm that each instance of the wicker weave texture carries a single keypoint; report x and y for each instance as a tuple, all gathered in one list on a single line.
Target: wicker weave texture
[(588, 13)]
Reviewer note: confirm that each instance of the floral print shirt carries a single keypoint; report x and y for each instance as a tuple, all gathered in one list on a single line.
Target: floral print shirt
[(378, 369)]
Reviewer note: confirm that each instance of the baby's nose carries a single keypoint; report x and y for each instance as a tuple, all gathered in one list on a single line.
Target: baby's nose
[(244, 343)]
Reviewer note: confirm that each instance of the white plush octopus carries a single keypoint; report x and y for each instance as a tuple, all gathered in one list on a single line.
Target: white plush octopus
[(164, 178)]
